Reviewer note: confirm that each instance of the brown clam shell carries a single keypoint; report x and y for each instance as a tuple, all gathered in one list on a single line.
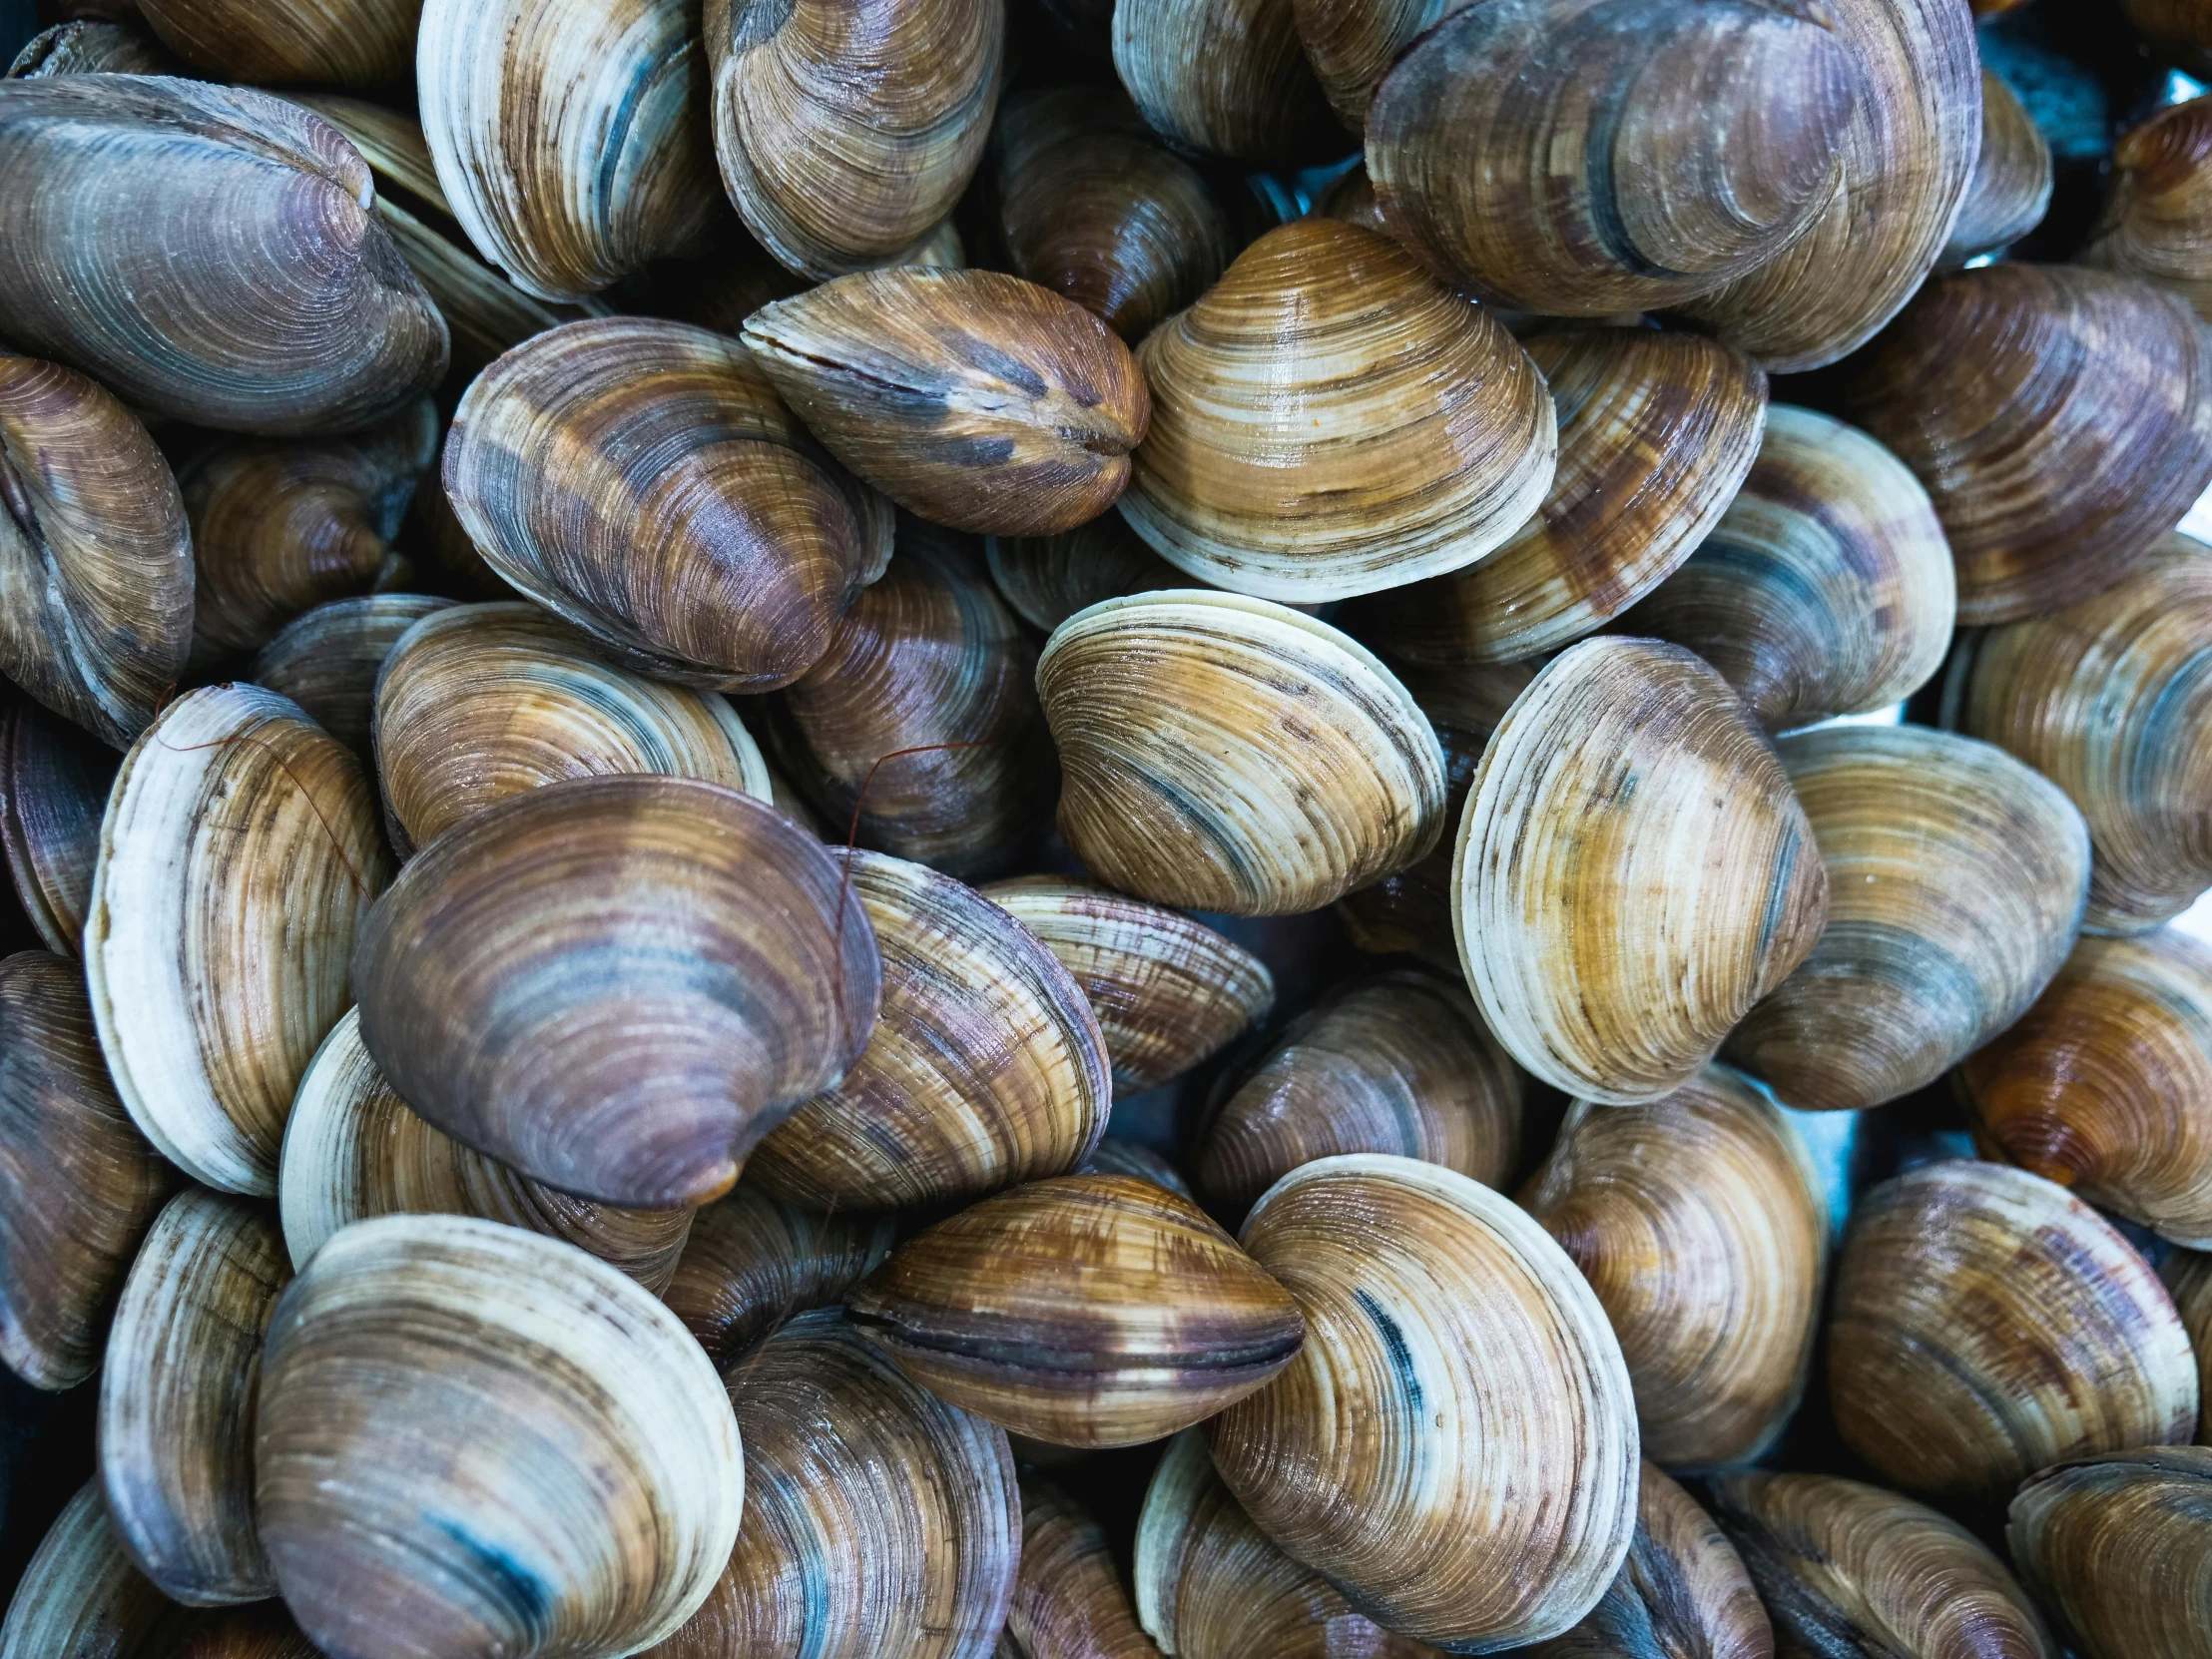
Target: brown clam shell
[(54, 784), (753, 1263), (2011, 188), (2119, 1548), (1068, 1596), (1223, 77), (327, 660), (353, 42), (2157, 222)]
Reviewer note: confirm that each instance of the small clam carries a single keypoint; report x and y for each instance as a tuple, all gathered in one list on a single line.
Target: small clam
[(261, 295), (1827, 587), (1986, 1325), (640, 480), (985, 1068), (1047, 579), (1454, 1447), (753, 1261), (237, 858), (475, 1441), (2052, 486), (2187, 1276), (2157, 222), (278, 528), (327, 660), (1219, 752), (95, 553), (177, 1397), (1699, 1222), (1955, 880), (1113, 1156), (1847, 1568), (2119, 1548), (1091, 1310), (79, 1186), (975, 398), (2011, 188), (1328, 420), (353, 42), (482, 702), (81, 1597), (617, 985), (54, 784), (1400, 1064), (91, 46), (1633, 871), (1226, 77), (879, 1519), (1169, 993), (354, 1150), (1068, 1597)]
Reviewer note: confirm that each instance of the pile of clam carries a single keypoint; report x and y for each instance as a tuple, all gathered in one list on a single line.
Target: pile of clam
[(952, 827)]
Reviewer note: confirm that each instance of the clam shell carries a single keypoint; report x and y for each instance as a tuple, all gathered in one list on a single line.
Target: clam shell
[(639, 480), (52, 788), (2011, 188), (2187, 1275), (1955, 878), (325, 660), (1219, 752), (1328, 420), (483, 702), (262, 296), (177, 1397), (1825, 589), (2175, 30), (354, 1150), (1986, 1325), (2051, 486), (1047, 579), (2119, 1548), (1091, 1310), (986, 1067), (1456, 1445), (616, 985), (1401, 1064), (81, 1597), (91, 46), (237, 858), (1698, 1220), (751, 1262), (473, 1440), (353, 42), (95, 554), (1632, 872), (1113, 1156), (1168, 991), (1352, 43), (2157, 221), (1227, 77), (1656, 433), (1068, 1596)]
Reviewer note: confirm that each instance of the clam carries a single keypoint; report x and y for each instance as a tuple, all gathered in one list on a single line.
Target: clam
[(481, 702), (1090, 1311), (91, 46), (986, 1067), (52, 788), (1698, 1220), (1827, 587), (2111, 699), (569, 138), (848, 129), (2052, 486), (1095, 208), (1986, 1325), (1219, 752), (354, 1150), (1114, 1156), (1955, 878), (2011, 188), (751, 1262), (351, 42), (617, 985), (2187, 1275), (81, 1597), (1850, 1568), (1169, 993), (879, 1519), (1576, 158), (640, 480), (78, 1184), (1068, 1596), (2157, 220), (2119, 1548), (1226, 77), (1400, 1064), (1633, 871), (237, 858), (278, 528), (1352, 43), (918, 730), (1901, 171), (261, 294), (1657, 430), (177, 1397), (95, 553), (327, 660), (1047, 579), (975, 398), (1455, 1447), (473, 1440), (1328, 420)]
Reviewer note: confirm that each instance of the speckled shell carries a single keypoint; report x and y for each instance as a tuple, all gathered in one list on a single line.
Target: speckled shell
[(1633, 871), (2052, 486), (2157, 222), (237, 858), (2011, 188), (327, 660), (54, 784), (2121, 1550), (1986, 1325), (1699, 1222), (1455, 1445), (1328, 420), (209, 253), (353, 42), (1955, 880), (753, 1261), (1068, 1596), (1221, 753), (986, 1067), (1047, 579), (1225, 77)]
